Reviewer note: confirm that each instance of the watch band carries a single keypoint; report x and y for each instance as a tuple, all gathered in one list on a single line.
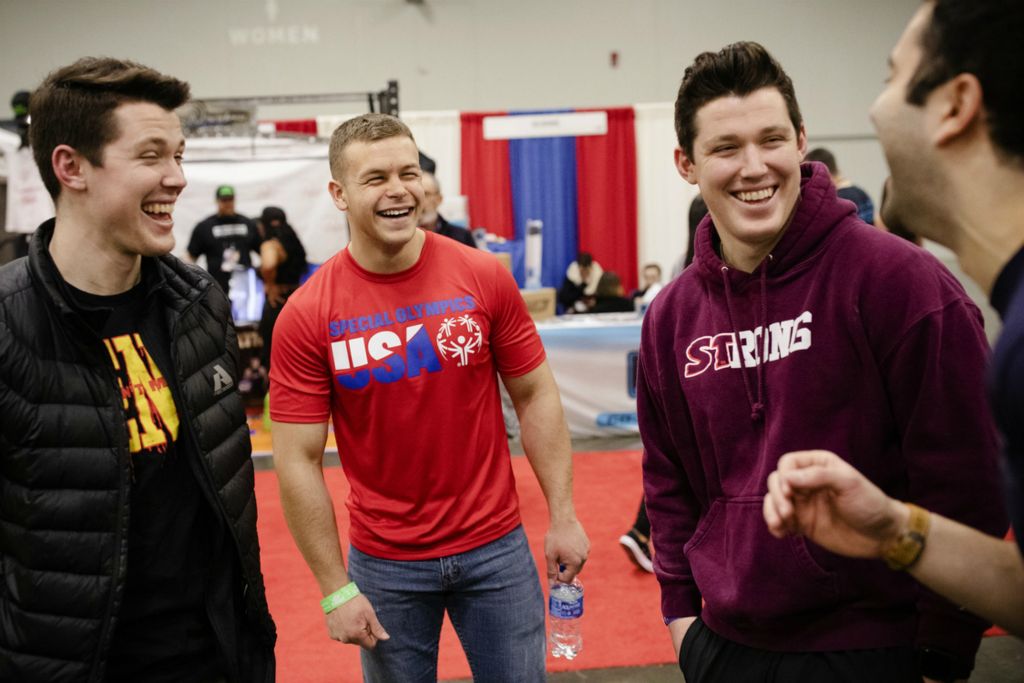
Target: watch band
[(902, 553)]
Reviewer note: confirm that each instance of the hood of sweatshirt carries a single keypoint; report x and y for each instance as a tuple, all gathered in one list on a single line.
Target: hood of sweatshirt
[(817, 212)]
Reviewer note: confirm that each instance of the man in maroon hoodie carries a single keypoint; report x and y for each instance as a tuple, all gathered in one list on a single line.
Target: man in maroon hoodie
[(797, 326)]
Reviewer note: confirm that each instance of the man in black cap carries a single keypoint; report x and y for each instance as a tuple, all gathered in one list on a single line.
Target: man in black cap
[(226, 239), (19, 124)]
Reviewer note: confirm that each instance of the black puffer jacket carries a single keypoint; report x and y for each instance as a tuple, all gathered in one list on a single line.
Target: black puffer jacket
[(65, 467)]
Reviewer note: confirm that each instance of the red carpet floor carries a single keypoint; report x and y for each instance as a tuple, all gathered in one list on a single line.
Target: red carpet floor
[(622, 625)]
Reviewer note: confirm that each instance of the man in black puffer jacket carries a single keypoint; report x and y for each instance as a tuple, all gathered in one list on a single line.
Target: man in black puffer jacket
[(128, 546)]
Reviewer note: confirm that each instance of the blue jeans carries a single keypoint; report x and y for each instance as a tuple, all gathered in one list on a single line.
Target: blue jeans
[(492, 595)]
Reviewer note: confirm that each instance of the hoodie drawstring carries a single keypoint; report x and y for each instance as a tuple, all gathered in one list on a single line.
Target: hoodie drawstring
[(756, 406)]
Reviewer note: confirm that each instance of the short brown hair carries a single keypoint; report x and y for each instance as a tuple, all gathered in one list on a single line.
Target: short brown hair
[(738, 69), (365, 128), (75, 106)]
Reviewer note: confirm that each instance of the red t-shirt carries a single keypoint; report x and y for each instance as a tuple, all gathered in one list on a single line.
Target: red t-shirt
[(406, 366)]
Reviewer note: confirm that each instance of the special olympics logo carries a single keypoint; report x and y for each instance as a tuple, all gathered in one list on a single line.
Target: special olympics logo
[(458, 338)]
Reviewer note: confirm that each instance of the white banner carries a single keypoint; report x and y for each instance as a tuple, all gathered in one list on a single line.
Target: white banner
[(28, 202), (545, 125), (290, 174), (593, 359)]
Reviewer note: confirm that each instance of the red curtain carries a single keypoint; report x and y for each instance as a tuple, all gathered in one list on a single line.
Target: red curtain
[(302, 126), (486, 180), (606, 195)]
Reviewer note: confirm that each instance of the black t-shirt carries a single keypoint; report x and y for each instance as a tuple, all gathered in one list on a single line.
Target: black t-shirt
[(162, 631), (226, 241)]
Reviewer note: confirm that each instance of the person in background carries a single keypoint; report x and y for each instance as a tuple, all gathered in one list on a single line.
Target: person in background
[(282, 266), (399, 323), (129, 549), (226, 239), (609, 295), (637, 541), (698, 209), (650, 286), (949, 123), (432, 220), (576, 294), (844, 186), (785, 332)]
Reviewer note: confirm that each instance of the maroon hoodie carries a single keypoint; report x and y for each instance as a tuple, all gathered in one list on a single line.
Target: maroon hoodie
[(844, 338)]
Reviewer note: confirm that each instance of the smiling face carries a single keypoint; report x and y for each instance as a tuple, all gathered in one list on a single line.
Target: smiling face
[(381, 192), (746, 160), (130, 198)]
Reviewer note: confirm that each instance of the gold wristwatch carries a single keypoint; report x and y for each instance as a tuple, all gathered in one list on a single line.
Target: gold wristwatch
[(902, 553)]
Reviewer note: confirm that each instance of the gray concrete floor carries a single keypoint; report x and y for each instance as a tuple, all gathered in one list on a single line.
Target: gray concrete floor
[(1000, 660)]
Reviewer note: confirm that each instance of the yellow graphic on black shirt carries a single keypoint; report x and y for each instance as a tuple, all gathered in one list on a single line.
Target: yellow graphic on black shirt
[(147, 400)]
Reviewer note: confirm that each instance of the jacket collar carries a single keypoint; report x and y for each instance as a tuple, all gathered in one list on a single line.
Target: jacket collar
[(164, 274)]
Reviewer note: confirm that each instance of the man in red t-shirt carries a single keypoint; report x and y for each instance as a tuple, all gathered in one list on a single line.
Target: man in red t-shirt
[(399, 339)]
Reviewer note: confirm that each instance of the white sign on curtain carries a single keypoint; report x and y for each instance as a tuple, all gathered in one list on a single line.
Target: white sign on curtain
[(569, 124)]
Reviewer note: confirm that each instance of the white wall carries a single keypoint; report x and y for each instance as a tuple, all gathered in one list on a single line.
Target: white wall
[(464, 54), (476, 54)]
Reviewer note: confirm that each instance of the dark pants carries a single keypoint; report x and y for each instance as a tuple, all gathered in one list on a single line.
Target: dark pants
[(642, 524), (706, 657)]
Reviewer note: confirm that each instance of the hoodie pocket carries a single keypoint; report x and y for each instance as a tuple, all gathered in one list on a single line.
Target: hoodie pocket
[(747, 576)]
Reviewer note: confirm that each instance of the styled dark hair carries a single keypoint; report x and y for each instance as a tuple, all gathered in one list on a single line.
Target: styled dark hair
[(75, 106), (365, 128), (979, 37), (738, 69), (584, 259), (824, 156)]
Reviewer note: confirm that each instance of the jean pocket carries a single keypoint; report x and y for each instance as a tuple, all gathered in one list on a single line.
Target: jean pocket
[(747, 576)]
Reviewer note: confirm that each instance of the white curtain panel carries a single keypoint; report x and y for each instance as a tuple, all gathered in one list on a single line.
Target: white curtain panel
[(291, 174), (28, 202), (664, 197)]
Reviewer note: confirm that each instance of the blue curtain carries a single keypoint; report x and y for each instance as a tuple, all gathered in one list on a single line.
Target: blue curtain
[(543, 174)]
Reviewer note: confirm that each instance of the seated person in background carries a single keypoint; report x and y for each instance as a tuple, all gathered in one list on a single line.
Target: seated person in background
[(580, 284), (282, 265), (651, 284), (608, 298), (844, 188), (434, 221)]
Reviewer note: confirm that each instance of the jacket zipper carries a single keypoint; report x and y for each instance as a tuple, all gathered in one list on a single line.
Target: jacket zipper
[(209, 489), (123, 491)]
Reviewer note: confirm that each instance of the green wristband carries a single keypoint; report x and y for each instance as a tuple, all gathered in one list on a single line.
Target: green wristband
[(339, 597)]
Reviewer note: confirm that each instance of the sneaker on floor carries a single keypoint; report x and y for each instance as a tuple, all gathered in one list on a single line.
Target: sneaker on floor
[(638, 551)]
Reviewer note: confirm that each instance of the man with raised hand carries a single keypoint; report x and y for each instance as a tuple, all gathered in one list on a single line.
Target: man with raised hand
[(949, 121)]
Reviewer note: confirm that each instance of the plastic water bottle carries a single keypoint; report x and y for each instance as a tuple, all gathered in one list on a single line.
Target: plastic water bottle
[(565, 606)]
